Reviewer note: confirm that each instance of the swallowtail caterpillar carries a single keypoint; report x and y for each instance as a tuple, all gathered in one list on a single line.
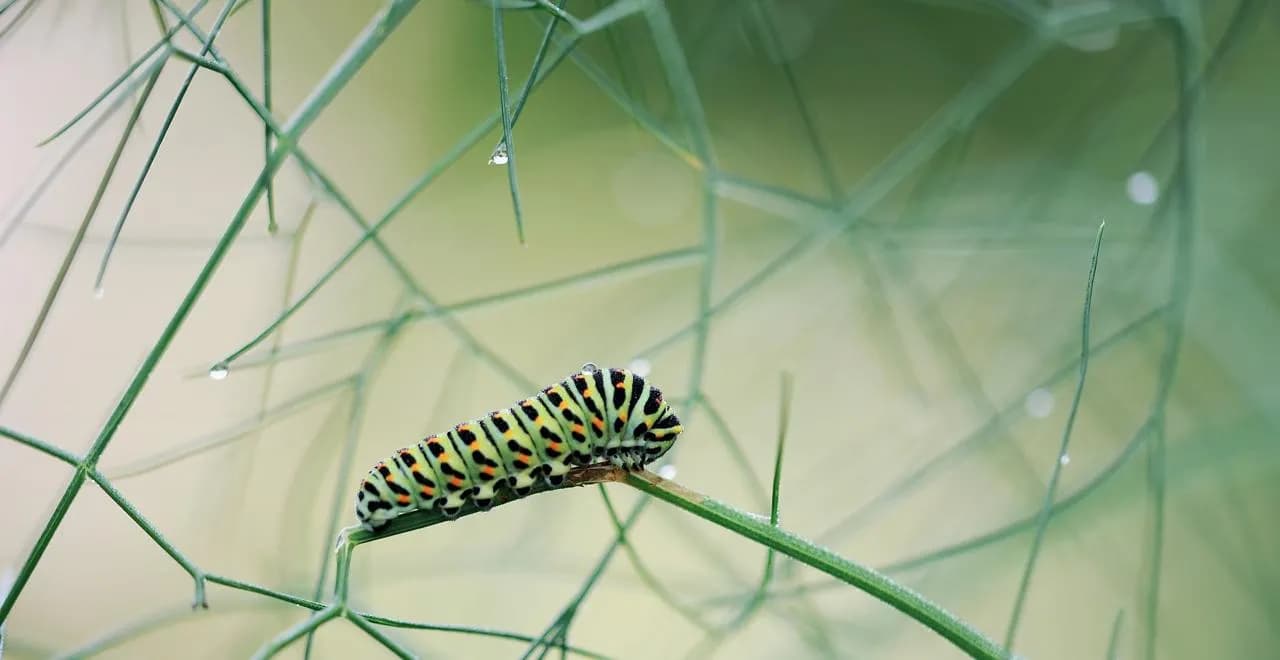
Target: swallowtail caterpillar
[(593, 416)]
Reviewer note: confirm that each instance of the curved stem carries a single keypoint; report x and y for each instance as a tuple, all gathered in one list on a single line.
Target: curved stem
[(758, 529)]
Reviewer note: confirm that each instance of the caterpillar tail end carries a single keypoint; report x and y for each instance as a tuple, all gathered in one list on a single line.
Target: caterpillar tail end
[(344, 534)]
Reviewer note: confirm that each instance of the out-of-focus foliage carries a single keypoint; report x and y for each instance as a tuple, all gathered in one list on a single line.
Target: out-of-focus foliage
[(894, 202)]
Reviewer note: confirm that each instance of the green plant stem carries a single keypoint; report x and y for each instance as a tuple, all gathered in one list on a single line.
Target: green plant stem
[(267, 133), (391, 645), (160, 44), (1046, 509), (766, 25), (957, 114), (614, 12), (559, 14), (355, 420), (784, 421), (138, 629), (1186, 39), (183, 450), (72, 250), (905, 600), (758, 596), (529, 82), (40, 446), (1113, 644), (685, 92), (660, 261), (620, 62), (646, 576), (19, 215), (559, 628), (500, 44), (292, 634), (369, 232), (985, 539), (77, 462), (389, 622), (642, 117), (1083, 17), (351, 61), (187, 565), (979, 437), (206, 44)]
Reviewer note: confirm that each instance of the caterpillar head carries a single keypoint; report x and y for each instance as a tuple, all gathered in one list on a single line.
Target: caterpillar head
[(662, 434)]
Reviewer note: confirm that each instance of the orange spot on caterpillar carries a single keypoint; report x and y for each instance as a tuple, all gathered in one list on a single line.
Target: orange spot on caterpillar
[(508, 434), (577, 428), (404, 500), (555, 446), (428, 491), (455, 481), (598, 423), (488, 469), (564, 405), (475, 444)]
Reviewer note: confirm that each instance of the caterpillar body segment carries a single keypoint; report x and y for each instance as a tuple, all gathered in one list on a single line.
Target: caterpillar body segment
[(517, 449), (548, 443), (425, 485), (450, 473), (564, 407), (484, 463), (593, 416)]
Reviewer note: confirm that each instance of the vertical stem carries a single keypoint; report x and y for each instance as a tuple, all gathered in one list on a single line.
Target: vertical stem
[(499, 40), (272, 226), (1046, 509)]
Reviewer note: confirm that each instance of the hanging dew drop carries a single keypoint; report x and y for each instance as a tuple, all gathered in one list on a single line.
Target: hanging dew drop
[(1064, 459), (499, 155), (590, 367), (219, 372), (98, 292)]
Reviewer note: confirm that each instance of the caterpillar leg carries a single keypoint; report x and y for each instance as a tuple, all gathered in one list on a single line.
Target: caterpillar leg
[(448, 508), (554, 471)]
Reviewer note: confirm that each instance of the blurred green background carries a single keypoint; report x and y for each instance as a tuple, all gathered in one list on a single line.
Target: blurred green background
[(894, 202)]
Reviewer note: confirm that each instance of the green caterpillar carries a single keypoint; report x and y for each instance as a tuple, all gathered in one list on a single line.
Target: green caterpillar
[(592, 416)]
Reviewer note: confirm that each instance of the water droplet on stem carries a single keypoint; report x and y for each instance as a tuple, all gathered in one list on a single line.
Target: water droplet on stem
[(499, 155)]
